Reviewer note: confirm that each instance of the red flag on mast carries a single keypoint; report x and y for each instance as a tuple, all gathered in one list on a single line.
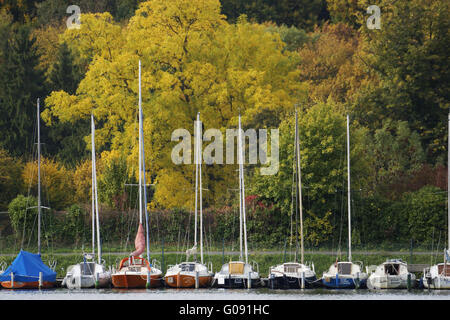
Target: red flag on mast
[(139, 242)]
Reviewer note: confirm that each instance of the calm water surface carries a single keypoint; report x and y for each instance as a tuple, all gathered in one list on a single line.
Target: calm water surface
[(222, 294)]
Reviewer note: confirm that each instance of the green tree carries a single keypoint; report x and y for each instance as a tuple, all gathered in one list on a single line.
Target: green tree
[(21, 83), (74, 224), (410, 56), (395, 152), (322, 131), (11, 182), (301, 14), (22, 218), (66, 141), (425, 210)]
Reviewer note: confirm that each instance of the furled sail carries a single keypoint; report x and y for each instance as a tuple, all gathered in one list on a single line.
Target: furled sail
[(139, 242)]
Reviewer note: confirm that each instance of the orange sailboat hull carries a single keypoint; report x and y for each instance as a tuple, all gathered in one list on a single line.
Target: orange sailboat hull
[(135, 281), (27, 285), (187, 281)]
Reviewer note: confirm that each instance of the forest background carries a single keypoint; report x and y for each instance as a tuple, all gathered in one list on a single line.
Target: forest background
[(262, 58)]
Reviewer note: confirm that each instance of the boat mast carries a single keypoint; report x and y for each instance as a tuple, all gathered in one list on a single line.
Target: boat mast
[(94, 173), (142, 165), (199, 155), (140, 150), (93, 185), (348, 193), (242, 191), (297, 147), (196, 160), (39, 178), (448, 184)]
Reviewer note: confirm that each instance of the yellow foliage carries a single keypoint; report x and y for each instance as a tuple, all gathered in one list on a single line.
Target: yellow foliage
[(192, 61), (57, 189)]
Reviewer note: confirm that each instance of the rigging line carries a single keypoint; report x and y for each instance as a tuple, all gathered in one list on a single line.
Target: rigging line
[(437, 247), (29, 191), (432, 241), (342, 207)]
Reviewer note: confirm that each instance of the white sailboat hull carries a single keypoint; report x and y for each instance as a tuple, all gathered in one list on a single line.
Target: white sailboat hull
[(439, 277), (84, 275), (439, 282), (389, 282)]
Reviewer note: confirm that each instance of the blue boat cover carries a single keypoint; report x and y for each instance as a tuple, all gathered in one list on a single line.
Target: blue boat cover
[(26, 268)]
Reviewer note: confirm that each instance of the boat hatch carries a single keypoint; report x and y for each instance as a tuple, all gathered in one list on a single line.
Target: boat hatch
[(392, 269), (344, 268), (236, 267), (441, 270), (87, 269), (187, 267), (291, 269), (134, 269)]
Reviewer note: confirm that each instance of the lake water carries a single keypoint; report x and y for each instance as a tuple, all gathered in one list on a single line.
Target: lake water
[(222, 294)]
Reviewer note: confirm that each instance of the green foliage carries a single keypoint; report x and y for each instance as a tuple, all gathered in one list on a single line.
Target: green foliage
[(111, 183), (410, 56), (301, 14), (293, 37), (425, 211), (21, 83), (22, 218), (74, 227), (395, 151), (11, 182)]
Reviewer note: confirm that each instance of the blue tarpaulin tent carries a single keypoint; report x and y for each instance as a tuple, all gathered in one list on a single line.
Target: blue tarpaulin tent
[(26, 268)]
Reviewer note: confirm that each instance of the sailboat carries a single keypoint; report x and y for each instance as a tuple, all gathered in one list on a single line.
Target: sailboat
[(135, 271), (392, 274), (239, 274), (90, 274), (28, 271), (346, 274), (438, 275), (193, 274), (294, 275)]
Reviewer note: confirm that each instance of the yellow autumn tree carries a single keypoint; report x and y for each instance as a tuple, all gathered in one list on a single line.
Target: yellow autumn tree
[(57, 189), (192, 61)]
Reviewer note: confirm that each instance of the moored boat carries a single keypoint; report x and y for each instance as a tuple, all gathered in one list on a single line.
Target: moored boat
[(193, 274), (185, 274), (239, 274), (135, 271), (392, 274), (294, 275), (438, 275), (346, 274), (90, 274), (28, 271)]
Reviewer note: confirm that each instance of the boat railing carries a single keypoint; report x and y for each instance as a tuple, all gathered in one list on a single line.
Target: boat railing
[(360, 263), (156, 264), (52, 264), (255, 265), (370, 269), (210, 267), (3, 266), (117, 263), (170, 266), (310, 265)]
